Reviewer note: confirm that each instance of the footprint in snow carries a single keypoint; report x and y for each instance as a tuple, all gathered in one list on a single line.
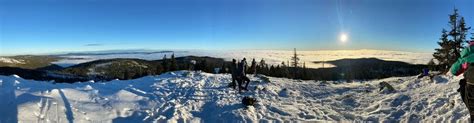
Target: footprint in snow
[(399, 100)]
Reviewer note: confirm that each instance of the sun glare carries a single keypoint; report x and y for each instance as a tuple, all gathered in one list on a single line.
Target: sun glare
[(343, 37)]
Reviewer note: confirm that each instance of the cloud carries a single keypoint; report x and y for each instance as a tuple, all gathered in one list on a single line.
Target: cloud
[(93, 45)]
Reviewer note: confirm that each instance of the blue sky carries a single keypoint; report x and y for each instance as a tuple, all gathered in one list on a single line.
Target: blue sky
[(51, 26)]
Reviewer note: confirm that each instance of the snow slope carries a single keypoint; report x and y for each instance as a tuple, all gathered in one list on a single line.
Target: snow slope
[(270, 56), (196, 96), (11, 60)]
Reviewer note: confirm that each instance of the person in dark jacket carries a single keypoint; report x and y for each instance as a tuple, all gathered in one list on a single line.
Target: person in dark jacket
[(234, 72), (242, 75), (253, 67), (243, 67)]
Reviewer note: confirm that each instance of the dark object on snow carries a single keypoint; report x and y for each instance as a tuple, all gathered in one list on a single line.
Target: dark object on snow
[(384, 86), (249, 101), (462, 89), (234, 72), (426, 72), (420, 76)]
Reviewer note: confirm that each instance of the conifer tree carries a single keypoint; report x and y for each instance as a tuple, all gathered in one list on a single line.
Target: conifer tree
[(305, 72), (224, 68), (432, 65), (202, 65), (262, 67), (272, 70), (463, 30), (295, 59), (278, 71), (159, 69), (165, 64), (451, 42), (444, 54), (173, 64), (125, 75), (457, 33), (294, 63)]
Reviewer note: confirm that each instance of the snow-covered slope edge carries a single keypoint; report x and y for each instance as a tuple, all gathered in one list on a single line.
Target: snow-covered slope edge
[(196, 96)]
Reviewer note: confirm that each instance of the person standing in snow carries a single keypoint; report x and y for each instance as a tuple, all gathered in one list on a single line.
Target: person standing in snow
[(243, 66), (234, 72), (465, 64), (242, 75), (253, 67)]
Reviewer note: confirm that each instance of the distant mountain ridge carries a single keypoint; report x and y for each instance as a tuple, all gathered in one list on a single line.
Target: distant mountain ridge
[(114, 53), (28, 61), (128, 68), (109, 69)]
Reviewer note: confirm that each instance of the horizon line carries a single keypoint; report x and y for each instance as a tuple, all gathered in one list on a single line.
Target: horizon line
[(155, 50)]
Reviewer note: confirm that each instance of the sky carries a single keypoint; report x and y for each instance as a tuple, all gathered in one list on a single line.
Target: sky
[(55, 26)]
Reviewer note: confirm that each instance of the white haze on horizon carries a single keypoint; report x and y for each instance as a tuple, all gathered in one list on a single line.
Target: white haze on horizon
[(274, 57)]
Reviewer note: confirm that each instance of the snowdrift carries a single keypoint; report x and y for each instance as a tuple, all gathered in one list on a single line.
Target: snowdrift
[(202, 97)]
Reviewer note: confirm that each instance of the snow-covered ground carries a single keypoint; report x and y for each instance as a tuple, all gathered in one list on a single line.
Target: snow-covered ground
[(195, 96), (270, 56), (11, 61)]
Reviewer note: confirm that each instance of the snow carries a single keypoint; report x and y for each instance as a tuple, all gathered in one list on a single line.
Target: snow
[(203, 97), (11, 60), (94, 70), (270, 56), (15, 76)]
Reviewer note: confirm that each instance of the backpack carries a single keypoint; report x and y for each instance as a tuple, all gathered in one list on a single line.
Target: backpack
[(249, 101)]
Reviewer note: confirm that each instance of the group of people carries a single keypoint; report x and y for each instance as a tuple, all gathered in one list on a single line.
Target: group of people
[(239, 75), (465, 64)]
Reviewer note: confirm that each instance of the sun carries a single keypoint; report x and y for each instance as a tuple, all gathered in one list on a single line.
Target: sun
[(343, 37)]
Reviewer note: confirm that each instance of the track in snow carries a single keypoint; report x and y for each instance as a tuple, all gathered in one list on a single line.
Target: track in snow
[(197, 96)]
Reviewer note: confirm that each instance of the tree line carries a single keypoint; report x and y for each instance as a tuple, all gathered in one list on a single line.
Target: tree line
[(346, 69)]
